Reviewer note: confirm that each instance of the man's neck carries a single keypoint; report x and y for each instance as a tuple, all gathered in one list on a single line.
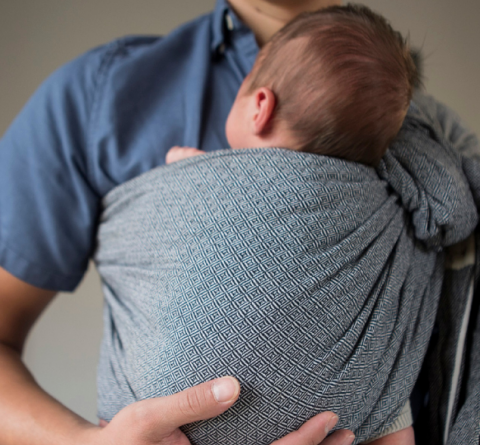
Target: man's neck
[(265, 18)]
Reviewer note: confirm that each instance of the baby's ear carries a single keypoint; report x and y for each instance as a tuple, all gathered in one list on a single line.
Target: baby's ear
[(264, 104)]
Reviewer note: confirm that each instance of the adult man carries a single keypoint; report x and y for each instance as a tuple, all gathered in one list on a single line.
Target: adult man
[(98, 122), (29, 415)]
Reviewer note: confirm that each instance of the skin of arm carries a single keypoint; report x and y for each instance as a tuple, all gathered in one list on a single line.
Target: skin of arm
[(29, 415), (403, 437)]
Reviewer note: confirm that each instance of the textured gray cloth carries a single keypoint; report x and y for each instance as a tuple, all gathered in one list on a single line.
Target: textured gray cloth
[(452, 365), (403, 420), (313, 280)]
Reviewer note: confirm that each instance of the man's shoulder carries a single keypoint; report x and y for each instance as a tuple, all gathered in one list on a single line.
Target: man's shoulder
[(128, 51)]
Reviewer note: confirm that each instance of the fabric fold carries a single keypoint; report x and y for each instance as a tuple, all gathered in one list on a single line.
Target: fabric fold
[(313, 280)]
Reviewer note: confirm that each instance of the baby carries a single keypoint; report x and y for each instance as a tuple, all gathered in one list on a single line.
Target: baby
[(337, 82)]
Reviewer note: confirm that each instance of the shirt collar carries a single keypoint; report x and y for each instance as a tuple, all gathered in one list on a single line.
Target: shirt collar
[(225, 21)]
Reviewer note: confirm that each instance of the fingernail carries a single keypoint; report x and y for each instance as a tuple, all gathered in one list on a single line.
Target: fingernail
[(225, 389), (349, 440), (331, 423)]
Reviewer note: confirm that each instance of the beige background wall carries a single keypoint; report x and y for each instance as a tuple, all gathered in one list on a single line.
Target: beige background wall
[(36, 36)]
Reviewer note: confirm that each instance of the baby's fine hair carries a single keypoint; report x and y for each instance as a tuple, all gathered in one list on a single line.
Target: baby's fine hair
[(343, 80)]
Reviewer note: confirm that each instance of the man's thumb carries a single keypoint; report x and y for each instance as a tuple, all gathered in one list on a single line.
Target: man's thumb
[(201, 402)]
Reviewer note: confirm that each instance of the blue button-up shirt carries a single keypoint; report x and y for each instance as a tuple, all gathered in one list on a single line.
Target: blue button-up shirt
[(104, 118)]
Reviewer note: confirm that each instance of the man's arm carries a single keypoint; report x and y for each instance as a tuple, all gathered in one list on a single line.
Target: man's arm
[(28, 414), (402, 437)]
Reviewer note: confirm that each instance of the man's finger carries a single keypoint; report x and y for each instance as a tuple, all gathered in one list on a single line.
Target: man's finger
[(316, 430), (201, 402), (340, 437)]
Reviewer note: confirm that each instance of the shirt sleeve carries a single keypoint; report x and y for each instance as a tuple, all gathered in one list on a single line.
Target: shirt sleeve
[(48, 204)]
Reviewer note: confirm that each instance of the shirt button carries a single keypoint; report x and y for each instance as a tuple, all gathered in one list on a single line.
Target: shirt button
[(229, 22), (221, 48)]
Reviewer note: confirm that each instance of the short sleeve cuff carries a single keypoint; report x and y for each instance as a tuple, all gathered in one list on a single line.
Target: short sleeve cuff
[(35, 274)]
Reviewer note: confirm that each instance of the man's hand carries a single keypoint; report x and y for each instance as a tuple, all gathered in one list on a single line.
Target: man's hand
[(315, 430), (157, 421), (178, 153)]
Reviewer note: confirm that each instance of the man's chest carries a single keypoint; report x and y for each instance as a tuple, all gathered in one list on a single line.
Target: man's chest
[(140, 120)]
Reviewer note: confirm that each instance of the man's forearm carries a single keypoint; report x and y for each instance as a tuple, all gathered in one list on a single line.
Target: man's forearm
[(28, 415)]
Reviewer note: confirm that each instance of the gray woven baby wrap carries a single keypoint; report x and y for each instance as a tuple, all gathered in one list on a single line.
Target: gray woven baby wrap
[(313, 280)]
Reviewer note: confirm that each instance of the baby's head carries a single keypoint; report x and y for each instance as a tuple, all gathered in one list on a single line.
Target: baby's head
[(335, 82)]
